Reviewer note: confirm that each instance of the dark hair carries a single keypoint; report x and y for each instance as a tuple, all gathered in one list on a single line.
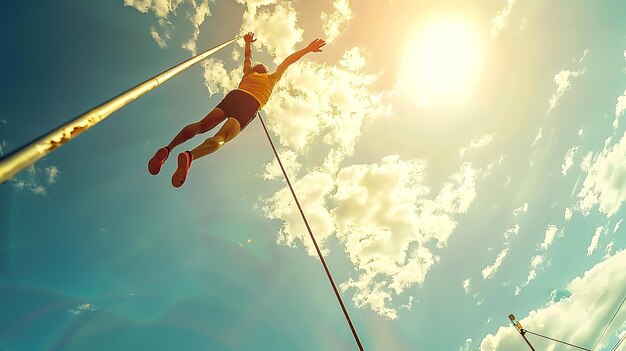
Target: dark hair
[(260, 68)]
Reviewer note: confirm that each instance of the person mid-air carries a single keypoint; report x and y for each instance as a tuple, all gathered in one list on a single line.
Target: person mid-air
[(238, 108)]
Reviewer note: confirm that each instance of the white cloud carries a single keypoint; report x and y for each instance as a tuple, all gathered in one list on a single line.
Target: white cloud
[(518, 211), (477, 143), (581, 132), (52, 173), (161, 8), (35, 179), (594, 241), (603, 184), (467, 345), (609, 249), (551, 232), (569, 160), (568, 214), (383, 216), (538, 137), (535, 263), (3, 144), (499, 21), (489, 271), (591, 299), (620, 107), (274, 26), (562, 80), (201, 12), (82, 308), (466, 285), (511, 231), (331, 23), (617, 225), (160, 40)]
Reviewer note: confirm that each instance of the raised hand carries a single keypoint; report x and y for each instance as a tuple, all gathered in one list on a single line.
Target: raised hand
[(316, 45), (249, 38)]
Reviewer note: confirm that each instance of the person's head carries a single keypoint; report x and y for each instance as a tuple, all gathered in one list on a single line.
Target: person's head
[(260, 68)]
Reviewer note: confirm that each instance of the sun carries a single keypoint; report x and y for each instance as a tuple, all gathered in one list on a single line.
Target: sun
[(442, 63)]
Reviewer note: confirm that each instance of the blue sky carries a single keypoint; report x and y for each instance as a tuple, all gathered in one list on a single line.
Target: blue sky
[(458, 161)]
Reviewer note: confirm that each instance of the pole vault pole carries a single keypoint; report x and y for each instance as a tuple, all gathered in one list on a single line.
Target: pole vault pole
[(30, 153)]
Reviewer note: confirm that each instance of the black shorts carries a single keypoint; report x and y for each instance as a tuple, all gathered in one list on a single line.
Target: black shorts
[(240, 105)]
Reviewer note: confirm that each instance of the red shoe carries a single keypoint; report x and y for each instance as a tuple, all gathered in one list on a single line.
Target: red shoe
[(156, 162), (184, 162)]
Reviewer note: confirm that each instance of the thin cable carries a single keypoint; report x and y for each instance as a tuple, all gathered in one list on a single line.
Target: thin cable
[(619, 343), (562, 342), (607, 326), (319, 253)]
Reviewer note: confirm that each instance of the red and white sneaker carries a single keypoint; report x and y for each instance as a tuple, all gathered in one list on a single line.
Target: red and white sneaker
[(156, 162), (184, 162)]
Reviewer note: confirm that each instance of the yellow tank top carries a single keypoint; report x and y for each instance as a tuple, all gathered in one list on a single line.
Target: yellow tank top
[(259, 85)]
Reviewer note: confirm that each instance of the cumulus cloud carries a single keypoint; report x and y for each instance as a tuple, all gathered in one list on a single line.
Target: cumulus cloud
[(568, 160), (489, 271), (467, 345), (275, 27), (563, 84), (591, 299), (466, 285), (160, 40), (161, 8), (511, 232), (36, 179), (551, 233), (82, 308), (201, 11), (518, 211), (384, 216), (617, 225), (499, 21), (603, 184), (477, 143), (568, 213), (594, 241), (3, 144), (620, 107), (331, 23)]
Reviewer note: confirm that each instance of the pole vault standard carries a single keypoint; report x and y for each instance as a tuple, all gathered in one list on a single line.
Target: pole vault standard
[(23, 157)]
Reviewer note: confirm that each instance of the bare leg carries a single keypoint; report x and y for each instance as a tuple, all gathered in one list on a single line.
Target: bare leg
[(229, 130), (215, 117)]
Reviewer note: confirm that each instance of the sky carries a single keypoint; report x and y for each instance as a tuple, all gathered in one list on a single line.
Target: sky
[(458, 161)]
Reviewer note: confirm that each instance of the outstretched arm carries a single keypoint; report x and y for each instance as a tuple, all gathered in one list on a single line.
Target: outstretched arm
[(314, 46), (247, 61)]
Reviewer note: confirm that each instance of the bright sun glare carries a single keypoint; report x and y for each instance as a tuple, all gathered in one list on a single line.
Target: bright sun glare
[(442, 63)]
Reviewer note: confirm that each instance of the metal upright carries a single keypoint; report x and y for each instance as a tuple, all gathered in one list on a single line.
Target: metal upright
[(30, 153)]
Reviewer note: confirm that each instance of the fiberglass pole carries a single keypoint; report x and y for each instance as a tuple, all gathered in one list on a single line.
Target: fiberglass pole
[(30, 153)]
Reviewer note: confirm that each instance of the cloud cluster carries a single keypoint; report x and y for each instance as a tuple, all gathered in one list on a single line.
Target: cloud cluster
[(489, 271), (568, 161), (594, 241), (82, 308), (477, 143), (590, 300), (603, 184), (620, 107), (499, 21), (36, 179), (331, 23), (384, 216), (275, 25), (563, 84)]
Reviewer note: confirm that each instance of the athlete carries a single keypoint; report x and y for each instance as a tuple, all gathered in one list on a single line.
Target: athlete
[(238, 108)]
